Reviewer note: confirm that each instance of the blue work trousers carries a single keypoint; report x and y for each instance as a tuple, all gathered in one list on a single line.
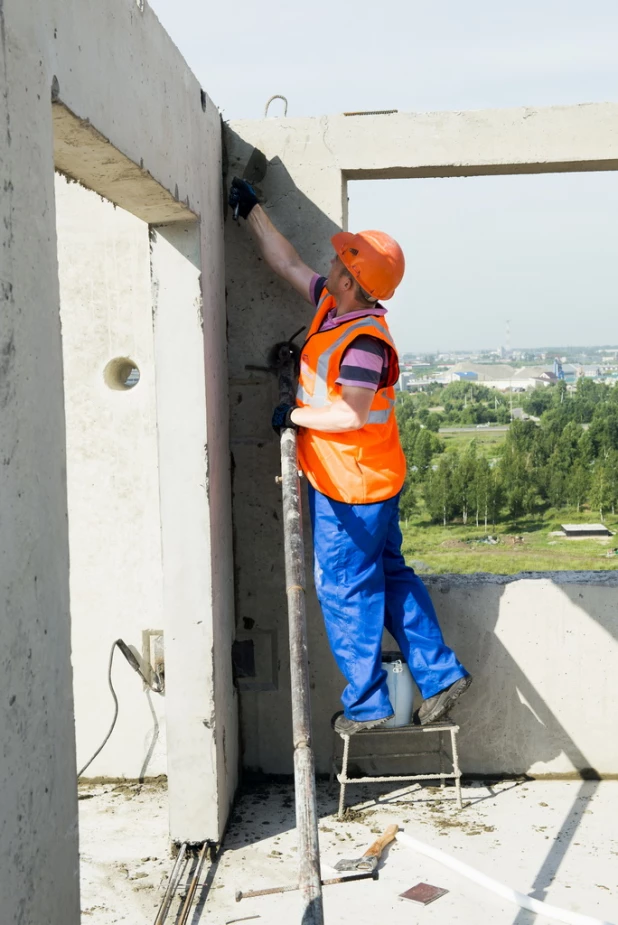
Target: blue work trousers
[(363, 585)]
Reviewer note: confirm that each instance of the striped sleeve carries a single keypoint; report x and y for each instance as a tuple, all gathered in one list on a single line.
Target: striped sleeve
[(364, 363), (315, 288)]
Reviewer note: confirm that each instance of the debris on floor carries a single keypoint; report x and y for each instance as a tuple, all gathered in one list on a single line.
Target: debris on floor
[(555, 840), (423, 893)]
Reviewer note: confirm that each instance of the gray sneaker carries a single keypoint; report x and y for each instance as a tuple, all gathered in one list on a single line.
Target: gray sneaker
[(347, 727), (434, 708)]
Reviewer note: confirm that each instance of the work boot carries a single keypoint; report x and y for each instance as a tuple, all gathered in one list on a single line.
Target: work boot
[(347, 727), (434, 708)]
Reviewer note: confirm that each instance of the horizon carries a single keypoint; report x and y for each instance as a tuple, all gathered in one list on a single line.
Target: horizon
[(560, 350)]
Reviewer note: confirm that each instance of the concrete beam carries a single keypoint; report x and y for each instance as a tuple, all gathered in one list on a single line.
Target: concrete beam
[(84, 155), (445, 144)]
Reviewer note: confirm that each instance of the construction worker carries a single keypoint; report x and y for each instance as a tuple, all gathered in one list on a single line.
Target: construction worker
[(349, 450)]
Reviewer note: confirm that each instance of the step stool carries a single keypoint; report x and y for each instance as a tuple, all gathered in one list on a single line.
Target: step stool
[(439, 729)]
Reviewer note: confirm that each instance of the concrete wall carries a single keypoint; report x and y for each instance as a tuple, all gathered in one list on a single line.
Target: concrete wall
[(159, 156), (112, 475), (38, 803), (99, 91), (504, 631), (544, 653)]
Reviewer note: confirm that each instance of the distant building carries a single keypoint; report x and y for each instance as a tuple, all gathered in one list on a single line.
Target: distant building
[(531, 373), (518, 414), (577, 531), (501, 376), (588, 372), (548, 378), (485, 372)]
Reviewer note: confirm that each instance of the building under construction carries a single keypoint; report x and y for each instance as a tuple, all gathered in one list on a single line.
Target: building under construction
[(140, 503)]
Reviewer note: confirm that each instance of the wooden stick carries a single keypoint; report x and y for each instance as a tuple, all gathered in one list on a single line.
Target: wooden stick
[(380, 844)]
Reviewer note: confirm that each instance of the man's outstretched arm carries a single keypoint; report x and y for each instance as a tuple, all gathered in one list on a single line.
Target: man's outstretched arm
[(279, 254), (276, 250)]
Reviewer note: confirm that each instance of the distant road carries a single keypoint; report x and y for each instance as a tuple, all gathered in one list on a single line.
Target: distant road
[(499, 428)]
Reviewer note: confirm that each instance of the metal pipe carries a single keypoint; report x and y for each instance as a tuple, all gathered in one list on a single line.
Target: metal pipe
[(186, 909), (304, 767), (171, 887), (370, 875)]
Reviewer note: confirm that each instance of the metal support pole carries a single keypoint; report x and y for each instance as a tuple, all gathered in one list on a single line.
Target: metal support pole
[(344, 776), (454, 732), (304, 767)]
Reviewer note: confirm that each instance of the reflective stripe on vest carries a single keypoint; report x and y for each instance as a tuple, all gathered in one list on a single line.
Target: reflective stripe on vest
[(319, 399), (381, 417)]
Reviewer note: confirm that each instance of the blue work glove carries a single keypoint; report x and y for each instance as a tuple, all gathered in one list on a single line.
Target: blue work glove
[(242, 197), (281, 417)]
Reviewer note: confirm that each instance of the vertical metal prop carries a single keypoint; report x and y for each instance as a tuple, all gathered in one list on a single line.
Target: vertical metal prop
[(304, 768)]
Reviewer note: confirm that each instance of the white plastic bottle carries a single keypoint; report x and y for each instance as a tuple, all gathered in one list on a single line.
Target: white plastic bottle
[(401, 689)]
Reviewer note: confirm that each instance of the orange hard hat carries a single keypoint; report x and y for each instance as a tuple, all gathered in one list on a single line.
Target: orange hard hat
[(374, 259)]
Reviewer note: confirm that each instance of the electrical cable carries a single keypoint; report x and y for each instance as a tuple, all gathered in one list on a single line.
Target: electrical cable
[(134, 663)]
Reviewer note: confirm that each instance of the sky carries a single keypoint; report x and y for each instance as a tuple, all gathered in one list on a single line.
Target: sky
[(538, 251)]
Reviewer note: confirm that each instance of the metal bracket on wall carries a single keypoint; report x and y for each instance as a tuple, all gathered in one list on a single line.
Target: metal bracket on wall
[(153, 656)]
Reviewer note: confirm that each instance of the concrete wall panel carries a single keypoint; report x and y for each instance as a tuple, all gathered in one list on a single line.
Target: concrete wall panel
[(533, 645), (38, 803), (113, 477), (113, 65), (544, 653), (196, 724)]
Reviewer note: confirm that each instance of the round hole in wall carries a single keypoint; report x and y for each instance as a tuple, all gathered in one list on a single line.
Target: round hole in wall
[(121, 374)]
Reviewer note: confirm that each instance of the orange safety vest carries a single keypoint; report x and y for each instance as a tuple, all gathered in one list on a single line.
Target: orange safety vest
[(360, 466)]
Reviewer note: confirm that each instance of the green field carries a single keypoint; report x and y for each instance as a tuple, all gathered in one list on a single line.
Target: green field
[(488, 442), (522, 546)]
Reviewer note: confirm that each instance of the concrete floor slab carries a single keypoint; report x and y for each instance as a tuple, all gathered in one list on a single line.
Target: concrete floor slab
[(555, 840)]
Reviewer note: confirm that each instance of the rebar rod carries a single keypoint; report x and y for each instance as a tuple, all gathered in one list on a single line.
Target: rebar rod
[(304, 766), (195, 877), (171, 887)]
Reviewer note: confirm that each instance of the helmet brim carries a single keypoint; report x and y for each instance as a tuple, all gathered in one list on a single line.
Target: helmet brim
[(341, 240)]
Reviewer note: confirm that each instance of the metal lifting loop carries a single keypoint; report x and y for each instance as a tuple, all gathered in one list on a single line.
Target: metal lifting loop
[(277, 96)]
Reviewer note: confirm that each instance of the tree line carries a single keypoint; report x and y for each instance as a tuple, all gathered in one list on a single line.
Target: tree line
[(460, 403), (568, 459)]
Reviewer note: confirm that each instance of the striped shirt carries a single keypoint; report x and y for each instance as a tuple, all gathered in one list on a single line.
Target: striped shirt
[(365, 361)]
